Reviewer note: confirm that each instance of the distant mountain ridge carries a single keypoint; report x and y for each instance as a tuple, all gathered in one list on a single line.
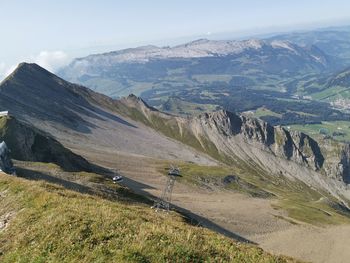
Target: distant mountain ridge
[(334, 42), (341, 79), (127, 71), (196, 49)]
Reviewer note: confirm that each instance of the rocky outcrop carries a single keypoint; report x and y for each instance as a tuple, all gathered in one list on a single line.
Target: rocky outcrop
[(28, 143), (294, 146), (257, 146), (6, 164), (343, 170)]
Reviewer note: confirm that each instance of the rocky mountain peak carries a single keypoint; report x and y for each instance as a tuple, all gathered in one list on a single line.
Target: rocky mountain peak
[(294, 146), (25, 68), (134, 101), (26, 73)]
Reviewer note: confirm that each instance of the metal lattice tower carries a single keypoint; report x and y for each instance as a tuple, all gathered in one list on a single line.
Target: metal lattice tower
[(164, 202)]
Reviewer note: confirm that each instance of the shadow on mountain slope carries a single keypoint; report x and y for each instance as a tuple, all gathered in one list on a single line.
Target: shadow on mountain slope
[(31, 91)]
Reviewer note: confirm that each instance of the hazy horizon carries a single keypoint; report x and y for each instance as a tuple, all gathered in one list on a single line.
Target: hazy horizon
[(51, 34)]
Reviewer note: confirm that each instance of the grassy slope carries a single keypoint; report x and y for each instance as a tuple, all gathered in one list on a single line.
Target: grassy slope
[(261, 112), (186, 108), (329, 127), (50, 223)]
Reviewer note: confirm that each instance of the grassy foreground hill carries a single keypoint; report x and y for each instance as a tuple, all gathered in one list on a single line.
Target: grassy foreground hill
[(42, 222)]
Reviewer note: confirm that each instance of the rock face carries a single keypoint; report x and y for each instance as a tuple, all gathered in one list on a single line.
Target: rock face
[(344, 164), (31, 144), (6, 164), (294, 146), (257, 146)]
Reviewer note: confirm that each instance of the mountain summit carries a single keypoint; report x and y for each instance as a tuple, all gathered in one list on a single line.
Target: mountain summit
[(77, 116), (32, 94)]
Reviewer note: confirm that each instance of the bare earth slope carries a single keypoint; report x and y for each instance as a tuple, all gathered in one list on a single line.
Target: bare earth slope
[(79, 116)]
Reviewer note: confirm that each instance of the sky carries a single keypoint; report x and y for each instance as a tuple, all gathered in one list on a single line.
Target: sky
[(51, 32)]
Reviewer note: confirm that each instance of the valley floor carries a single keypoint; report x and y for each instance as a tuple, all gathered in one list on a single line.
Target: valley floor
[(236, 215)]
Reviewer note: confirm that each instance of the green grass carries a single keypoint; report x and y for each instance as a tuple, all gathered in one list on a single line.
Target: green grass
[(214, 175), (52, 224), (334, 126), (332, 93), (266, 112), (192, 173), (204, 78), (180, 107)]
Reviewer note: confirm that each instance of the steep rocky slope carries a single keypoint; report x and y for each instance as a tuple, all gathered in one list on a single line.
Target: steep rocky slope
[(27, 143), (33, 93), (255, 145), (78, 116)]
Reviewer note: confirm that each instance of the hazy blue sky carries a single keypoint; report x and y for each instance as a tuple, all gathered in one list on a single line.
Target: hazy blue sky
[(51, 32)]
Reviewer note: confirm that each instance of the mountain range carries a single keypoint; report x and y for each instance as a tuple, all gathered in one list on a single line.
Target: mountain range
[(333, 41), (287, 79), (76, 115), (69, 135), (141, 69)]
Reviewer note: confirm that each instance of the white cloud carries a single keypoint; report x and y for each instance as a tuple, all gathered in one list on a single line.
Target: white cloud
[(51, 60), (5, 70), (10, 69)]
